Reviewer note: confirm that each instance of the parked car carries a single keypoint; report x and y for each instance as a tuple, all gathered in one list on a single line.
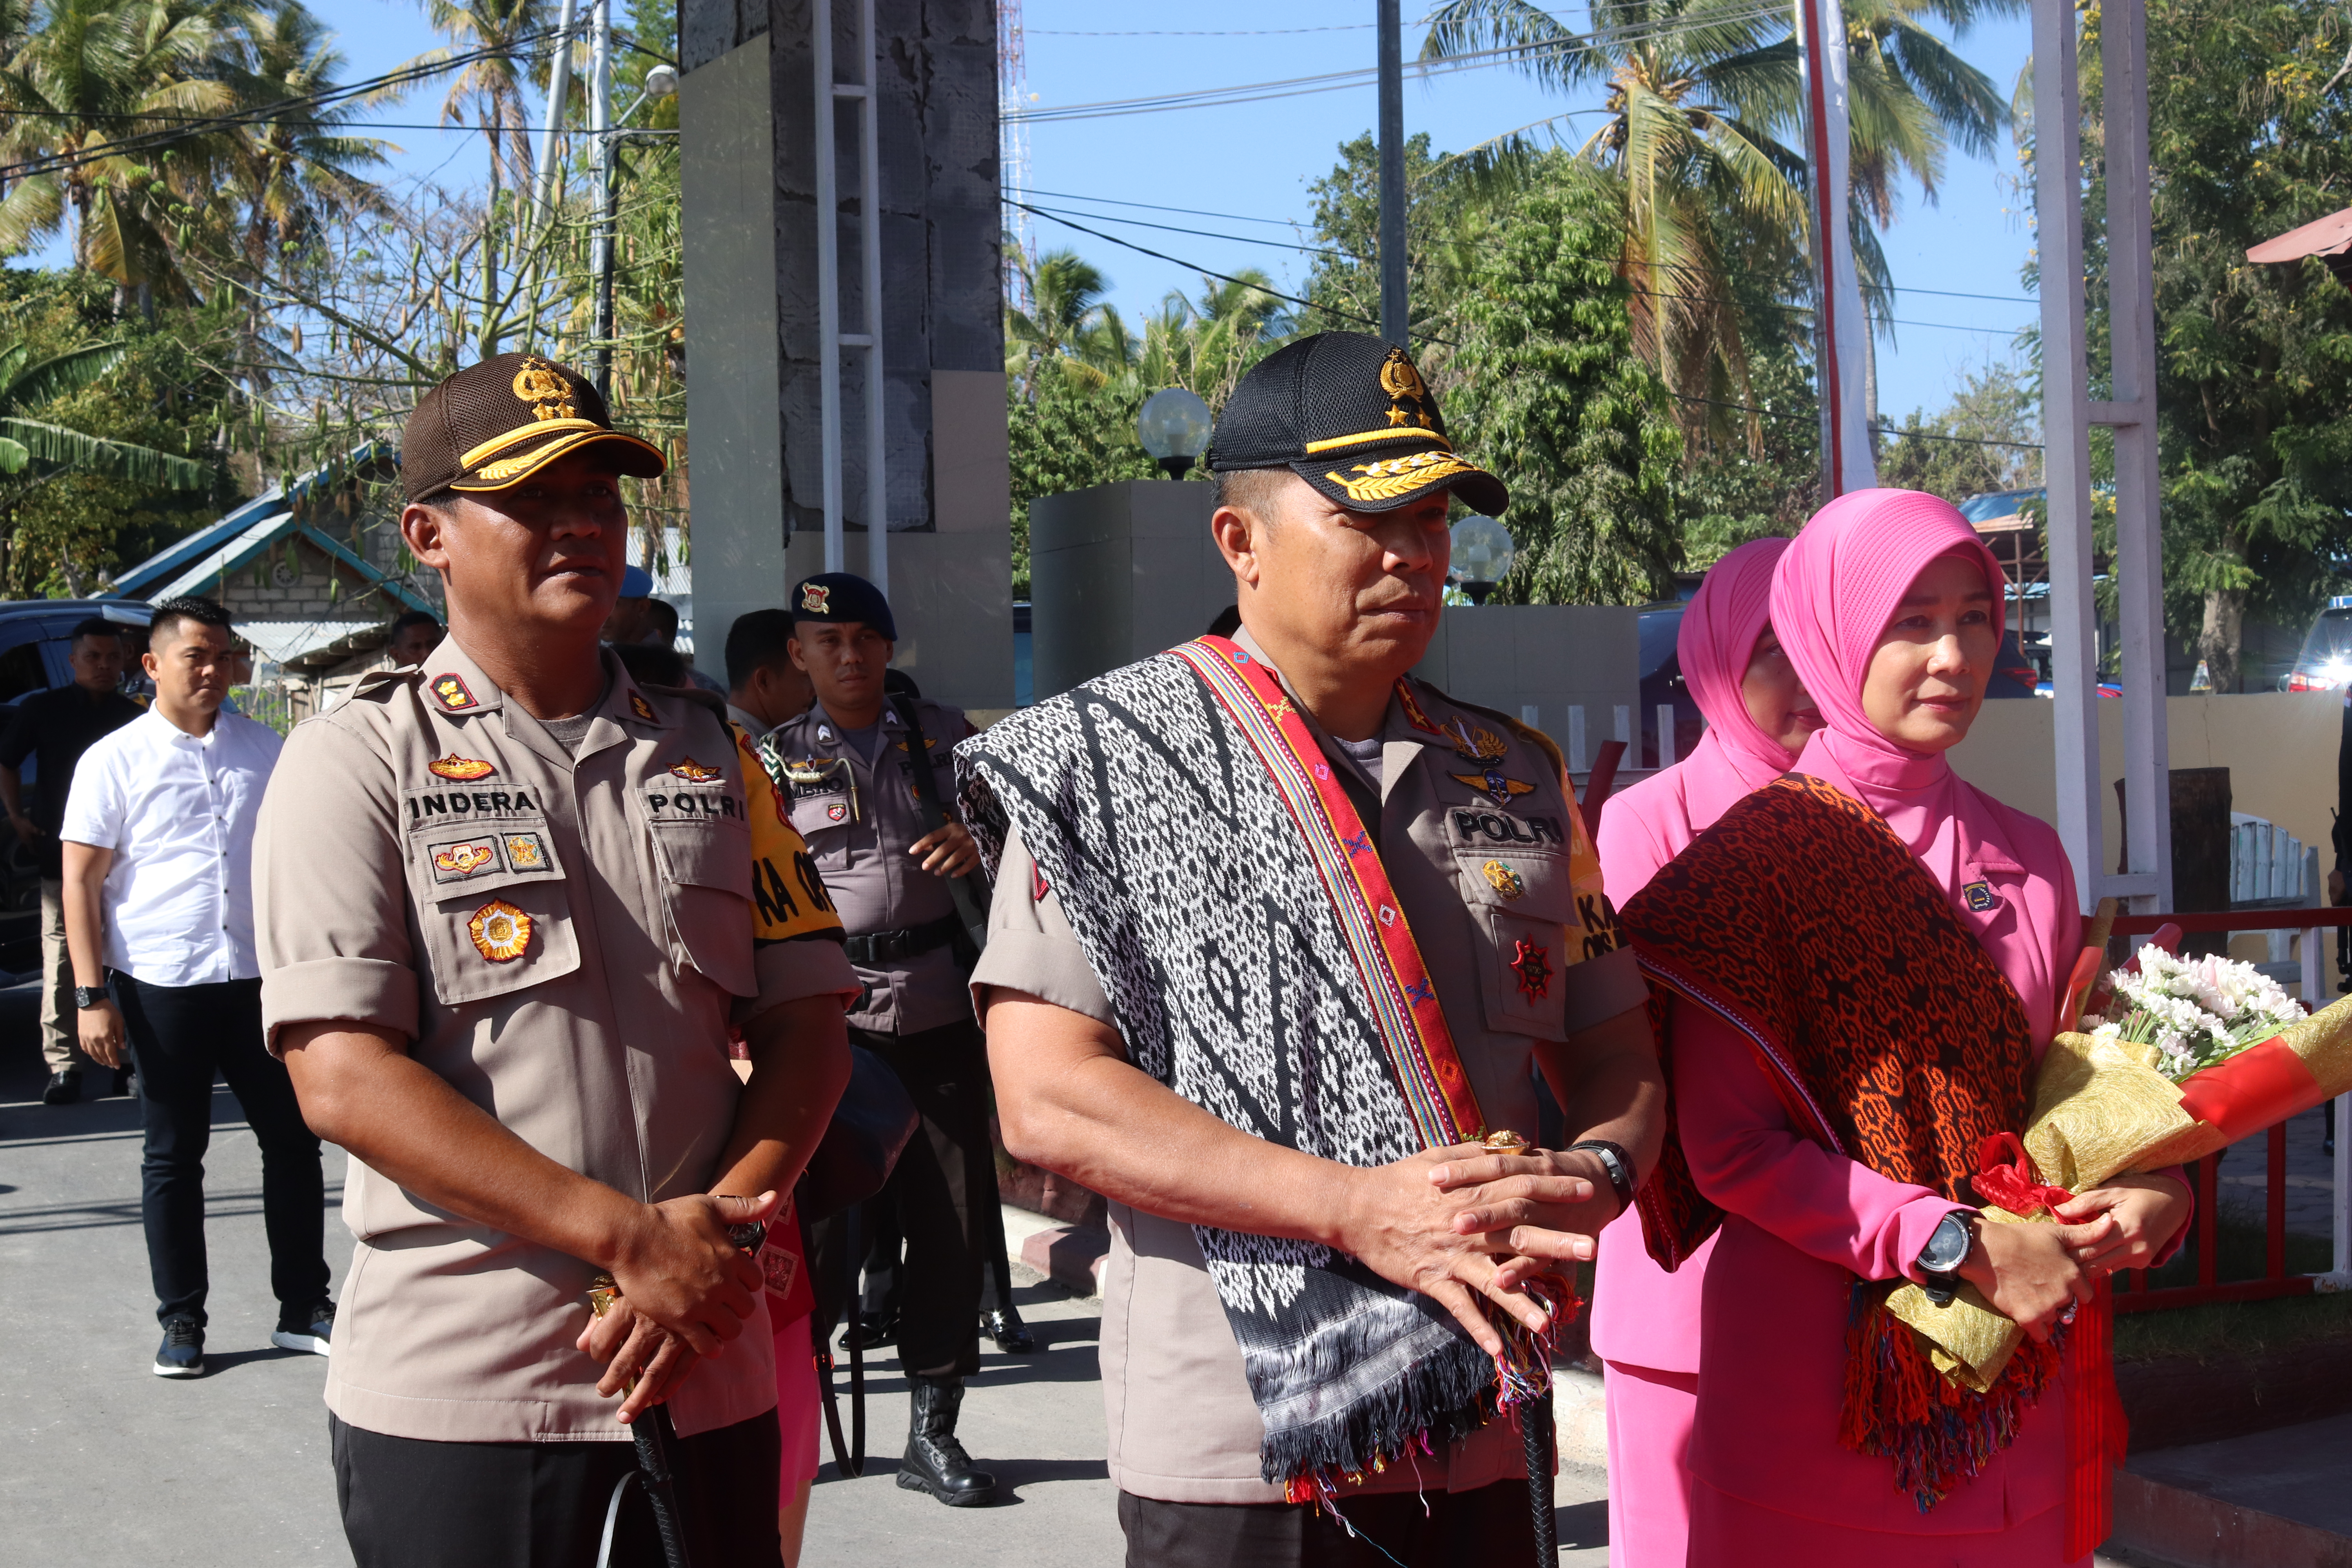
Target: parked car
[(36, 637), (2325, 663)]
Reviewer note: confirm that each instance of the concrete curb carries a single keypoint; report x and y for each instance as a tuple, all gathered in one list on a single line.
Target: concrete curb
[(2200, 1532)]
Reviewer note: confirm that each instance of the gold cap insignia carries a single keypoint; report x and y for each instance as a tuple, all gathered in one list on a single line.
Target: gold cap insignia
[(1408, 393), (465, 770), (549, 395), (501, 932), (1388, 480)]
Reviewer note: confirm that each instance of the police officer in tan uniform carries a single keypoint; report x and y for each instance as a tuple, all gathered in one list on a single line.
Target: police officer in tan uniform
[(855, 797), (1335, 475), (510, 905)]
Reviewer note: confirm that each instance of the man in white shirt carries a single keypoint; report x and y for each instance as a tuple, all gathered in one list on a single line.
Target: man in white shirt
[(158, 840)]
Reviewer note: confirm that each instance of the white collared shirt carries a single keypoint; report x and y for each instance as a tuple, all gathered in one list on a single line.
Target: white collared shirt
[(178, 810)]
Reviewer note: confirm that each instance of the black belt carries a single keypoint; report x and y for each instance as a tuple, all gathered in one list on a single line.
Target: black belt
[(875, 948)]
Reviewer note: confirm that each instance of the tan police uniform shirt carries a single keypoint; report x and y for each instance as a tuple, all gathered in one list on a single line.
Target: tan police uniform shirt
[(1502, 889), (566, 941), (859, 819)]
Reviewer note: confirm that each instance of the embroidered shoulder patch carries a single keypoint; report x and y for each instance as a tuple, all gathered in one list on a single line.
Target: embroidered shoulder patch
[(500, 932), (454, 767), (454, 694), (640, 707), (695, 773)]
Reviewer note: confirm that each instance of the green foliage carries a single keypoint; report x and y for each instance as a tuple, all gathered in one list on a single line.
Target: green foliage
[(1066, 439), (1994, 406), (2248, 138), (131, 462), (1548, 392)]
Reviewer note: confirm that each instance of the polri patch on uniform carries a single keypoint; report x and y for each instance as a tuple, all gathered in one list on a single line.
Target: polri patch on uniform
[(454, 693), (1532, 964), (501, 932), (463, 859), (526, 852), (640, 707), (463, 769), (695, 773), (1980, 896)]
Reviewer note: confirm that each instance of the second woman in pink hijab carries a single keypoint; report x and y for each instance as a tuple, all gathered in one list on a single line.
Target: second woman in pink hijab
[(1644, 1320)]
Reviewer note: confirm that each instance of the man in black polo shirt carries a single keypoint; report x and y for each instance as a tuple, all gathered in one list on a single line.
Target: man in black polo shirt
[(55, 728)]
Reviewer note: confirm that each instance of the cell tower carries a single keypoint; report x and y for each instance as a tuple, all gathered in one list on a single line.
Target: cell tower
[(1012, 142)]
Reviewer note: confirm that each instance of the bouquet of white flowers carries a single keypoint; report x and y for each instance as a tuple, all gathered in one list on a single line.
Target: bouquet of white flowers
[(2196, 1012)]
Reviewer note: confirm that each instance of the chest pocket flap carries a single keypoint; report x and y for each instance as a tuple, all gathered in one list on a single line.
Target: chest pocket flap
[(704, 847), (1519, 883), (491, 904)]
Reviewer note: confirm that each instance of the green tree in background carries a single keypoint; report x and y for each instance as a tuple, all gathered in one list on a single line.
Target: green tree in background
[(2249, 137), (1549, 393), (1986, 438)]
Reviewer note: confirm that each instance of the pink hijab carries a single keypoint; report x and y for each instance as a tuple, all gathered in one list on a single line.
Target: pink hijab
[(2005, 872), (1653, 821)]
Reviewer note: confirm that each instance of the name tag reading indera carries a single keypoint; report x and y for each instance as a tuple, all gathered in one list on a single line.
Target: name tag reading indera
[(471, 802)]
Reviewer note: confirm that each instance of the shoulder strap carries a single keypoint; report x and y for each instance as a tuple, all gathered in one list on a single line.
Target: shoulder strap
[(971, 908)]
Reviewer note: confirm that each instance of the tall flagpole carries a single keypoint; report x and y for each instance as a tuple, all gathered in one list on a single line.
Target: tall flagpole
[(1841, 329)]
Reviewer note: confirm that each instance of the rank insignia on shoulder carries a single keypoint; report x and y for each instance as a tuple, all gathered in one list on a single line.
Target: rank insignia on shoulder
[(500, 932), (455, 862), (640, 707), (525, 852), (1493, 785), (454, 694), (1412, 706), (1506, 881), (1532, 965), (463, 769), (929, 741), (695, 773), (1980, 896)]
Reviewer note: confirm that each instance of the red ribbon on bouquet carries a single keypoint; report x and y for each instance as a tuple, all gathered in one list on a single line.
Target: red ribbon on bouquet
[(2005, 1177)]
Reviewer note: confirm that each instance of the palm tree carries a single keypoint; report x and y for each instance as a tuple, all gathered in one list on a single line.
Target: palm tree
[(85, 77), (490, 89), (301, 170), (33, 451), (1207, 344), (1702, 100), (1068, 328)]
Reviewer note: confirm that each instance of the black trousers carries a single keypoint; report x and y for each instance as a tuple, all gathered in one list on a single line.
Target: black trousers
[(939, 1196), (180, 1036), (1489, 1528), (407, 1503)]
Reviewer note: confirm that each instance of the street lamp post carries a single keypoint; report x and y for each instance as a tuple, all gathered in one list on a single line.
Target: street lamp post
[(1483, 553)]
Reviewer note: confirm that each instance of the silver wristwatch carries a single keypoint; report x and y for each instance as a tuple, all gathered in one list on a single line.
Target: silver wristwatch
[(1940, 1259)]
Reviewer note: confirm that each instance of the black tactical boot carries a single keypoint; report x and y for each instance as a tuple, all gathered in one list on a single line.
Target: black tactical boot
[(935, 1462), (1004, 1325)]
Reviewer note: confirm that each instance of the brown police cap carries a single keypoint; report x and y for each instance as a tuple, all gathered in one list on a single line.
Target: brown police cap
[(495, 424)]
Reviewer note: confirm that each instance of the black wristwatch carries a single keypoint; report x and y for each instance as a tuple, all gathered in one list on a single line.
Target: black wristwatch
[(88, 997), (1617, 1162), (1941, 1258)]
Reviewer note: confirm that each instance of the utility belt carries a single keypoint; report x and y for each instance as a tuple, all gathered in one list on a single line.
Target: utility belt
[(875, 949)]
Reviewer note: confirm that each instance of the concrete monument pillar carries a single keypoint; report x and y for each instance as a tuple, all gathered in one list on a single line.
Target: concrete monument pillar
[(747, 109)]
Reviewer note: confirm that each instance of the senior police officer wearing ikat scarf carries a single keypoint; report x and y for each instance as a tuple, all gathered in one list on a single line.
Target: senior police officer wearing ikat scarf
[(510, 904), (1279, 932)]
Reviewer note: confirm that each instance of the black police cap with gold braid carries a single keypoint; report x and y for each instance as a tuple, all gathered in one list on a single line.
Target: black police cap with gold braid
[(495, 424), (1349, 415)]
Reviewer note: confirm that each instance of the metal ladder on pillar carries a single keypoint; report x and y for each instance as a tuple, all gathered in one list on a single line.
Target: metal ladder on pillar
[(832, 340)]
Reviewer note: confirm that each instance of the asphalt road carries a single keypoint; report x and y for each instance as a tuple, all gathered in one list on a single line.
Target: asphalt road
[(104, 1464)]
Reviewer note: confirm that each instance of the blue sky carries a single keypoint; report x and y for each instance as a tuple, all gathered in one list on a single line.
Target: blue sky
[(1245, 167)]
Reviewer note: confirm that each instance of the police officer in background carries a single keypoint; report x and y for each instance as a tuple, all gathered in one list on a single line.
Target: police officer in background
[(858, 798)]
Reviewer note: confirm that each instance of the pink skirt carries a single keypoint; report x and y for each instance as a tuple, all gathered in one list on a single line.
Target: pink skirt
[(1650, 1414), (1725, 1529), (796, 1405)]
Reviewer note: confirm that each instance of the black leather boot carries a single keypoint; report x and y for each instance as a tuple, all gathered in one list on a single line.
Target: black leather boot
[(1004, 1325), (935, 1462)]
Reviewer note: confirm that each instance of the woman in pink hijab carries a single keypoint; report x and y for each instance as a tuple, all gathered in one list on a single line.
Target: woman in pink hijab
[(1864, 963), (1644, 1320)]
